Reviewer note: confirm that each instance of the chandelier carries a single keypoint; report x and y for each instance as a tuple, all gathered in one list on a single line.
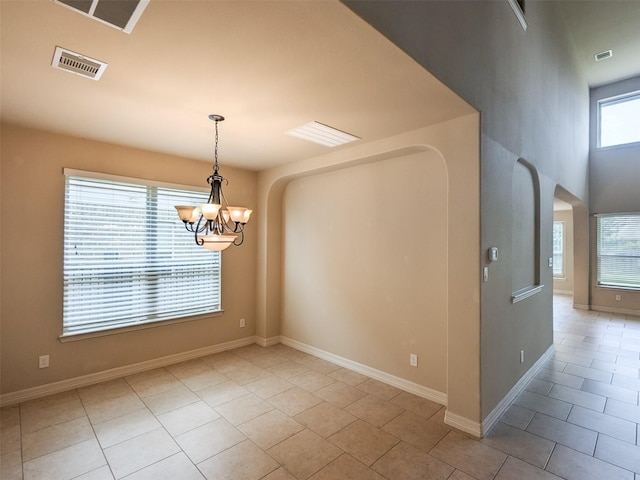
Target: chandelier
[(215, 224)]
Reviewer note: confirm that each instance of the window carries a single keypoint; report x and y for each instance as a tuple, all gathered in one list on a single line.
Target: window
[(619, 251), (127, 257), (558, 249), (619, 120)]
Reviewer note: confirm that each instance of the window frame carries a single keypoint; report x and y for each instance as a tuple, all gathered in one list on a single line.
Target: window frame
[(598, 275), (177, 232), (616, 99)]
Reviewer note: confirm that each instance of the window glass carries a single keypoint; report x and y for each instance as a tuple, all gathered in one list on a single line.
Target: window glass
[(128, 259), (558, 249), (619, 120), (619, 251)]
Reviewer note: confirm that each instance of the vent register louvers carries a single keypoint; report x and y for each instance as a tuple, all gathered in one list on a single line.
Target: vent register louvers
[(120, 14)]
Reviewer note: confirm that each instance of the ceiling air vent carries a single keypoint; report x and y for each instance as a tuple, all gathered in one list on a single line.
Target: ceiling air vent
[(120, 14), (79, 64), (324, 135), (603, 55)]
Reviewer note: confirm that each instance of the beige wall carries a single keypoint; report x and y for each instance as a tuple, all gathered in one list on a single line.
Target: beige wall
[(32, 223), (448, 151), (365, 267), (564, 284)]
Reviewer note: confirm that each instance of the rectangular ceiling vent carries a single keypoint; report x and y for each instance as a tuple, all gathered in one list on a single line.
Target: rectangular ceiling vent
[(324, 135), (603, 55), (79, 64), (120, 14)]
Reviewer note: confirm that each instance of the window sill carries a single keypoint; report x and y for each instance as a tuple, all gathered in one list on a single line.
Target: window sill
[(526, 292), (619, 287), (73, 337)]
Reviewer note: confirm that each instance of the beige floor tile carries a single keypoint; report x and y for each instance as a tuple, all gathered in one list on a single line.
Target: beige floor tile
[(364, 442), (221, 393), (373, 410), (66, 463), (102, 473), (415, 404), (460, 475), (152, 382), (170, 400), (209, 439), (243, 461), (187, 418), (279, 474), (103, 410), (247, 374), (311, 381), (267, 360), (340, 394), (325, 419), (379, 389), (175, 467), (540, 403), (125, 427), (514, 469), (517, 416), (56, 437), (319, 365), (188, 368), (250, 351), (304, 454), (345, 467), (416, 430), (226, 361), (408, 463), (11, 465), (270, 428), (200, 380), (618, 452), (268, 386), (38, 415), (619, 428), (521, 444), (349, 377), (578, 397), (294, 401), (139, 452), (243, 409), (572, 465), (472, 457), (288, 369), (281, 349), (105, 390), (10, 432), (564, 433)]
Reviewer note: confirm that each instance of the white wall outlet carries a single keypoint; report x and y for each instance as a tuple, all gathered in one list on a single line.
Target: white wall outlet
[(413, 359), (618, 298), (550, 262), (43, 361), (242, 323), (485, 274), (521, 356)]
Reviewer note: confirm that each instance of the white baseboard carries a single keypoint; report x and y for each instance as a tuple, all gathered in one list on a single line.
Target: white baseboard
[(401, 383), (624, 311), (580, 306), (463, 423), (268, 342), (12, 398), (557, 291), (509, 398)]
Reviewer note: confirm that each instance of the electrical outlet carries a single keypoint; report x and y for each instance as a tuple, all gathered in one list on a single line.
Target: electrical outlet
[(43, 361), (242, 323), (485, 274), (618, 298), (413, 360)]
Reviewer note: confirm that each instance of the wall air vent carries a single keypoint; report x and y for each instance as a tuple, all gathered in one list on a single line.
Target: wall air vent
[(603, 55), (79, 64), (120, 14)]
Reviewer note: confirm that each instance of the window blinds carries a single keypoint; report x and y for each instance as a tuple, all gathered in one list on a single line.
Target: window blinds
[(619, 250), (127, 257)]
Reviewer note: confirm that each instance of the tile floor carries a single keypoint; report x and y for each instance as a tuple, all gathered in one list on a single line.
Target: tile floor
[(277, 413)]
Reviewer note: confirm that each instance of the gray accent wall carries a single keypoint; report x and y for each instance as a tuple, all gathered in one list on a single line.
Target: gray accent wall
[(534, 106)]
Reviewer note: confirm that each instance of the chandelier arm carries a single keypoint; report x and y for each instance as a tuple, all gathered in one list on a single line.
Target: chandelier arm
[(241, 236)]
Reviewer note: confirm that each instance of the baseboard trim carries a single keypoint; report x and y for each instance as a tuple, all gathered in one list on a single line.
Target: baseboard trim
[(623, 311), (463, 424), (401, 383), (580, 306), (32, 393), (268, 342), (562, 292), (509, 398)]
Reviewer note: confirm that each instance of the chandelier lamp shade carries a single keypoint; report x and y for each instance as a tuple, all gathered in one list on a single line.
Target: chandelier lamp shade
[(215, 224)]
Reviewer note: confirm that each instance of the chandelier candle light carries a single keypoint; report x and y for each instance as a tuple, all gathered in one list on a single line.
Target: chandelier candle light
[(215, 225)]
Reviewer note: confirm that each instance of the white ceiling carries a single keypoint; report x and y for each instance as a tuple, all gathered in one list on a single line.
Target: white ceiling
[(267, 66)]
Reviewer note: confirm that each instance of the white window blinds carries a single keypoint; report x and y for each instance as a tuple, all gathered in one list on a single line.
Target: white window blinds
[(619, 250), (127, 257)]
